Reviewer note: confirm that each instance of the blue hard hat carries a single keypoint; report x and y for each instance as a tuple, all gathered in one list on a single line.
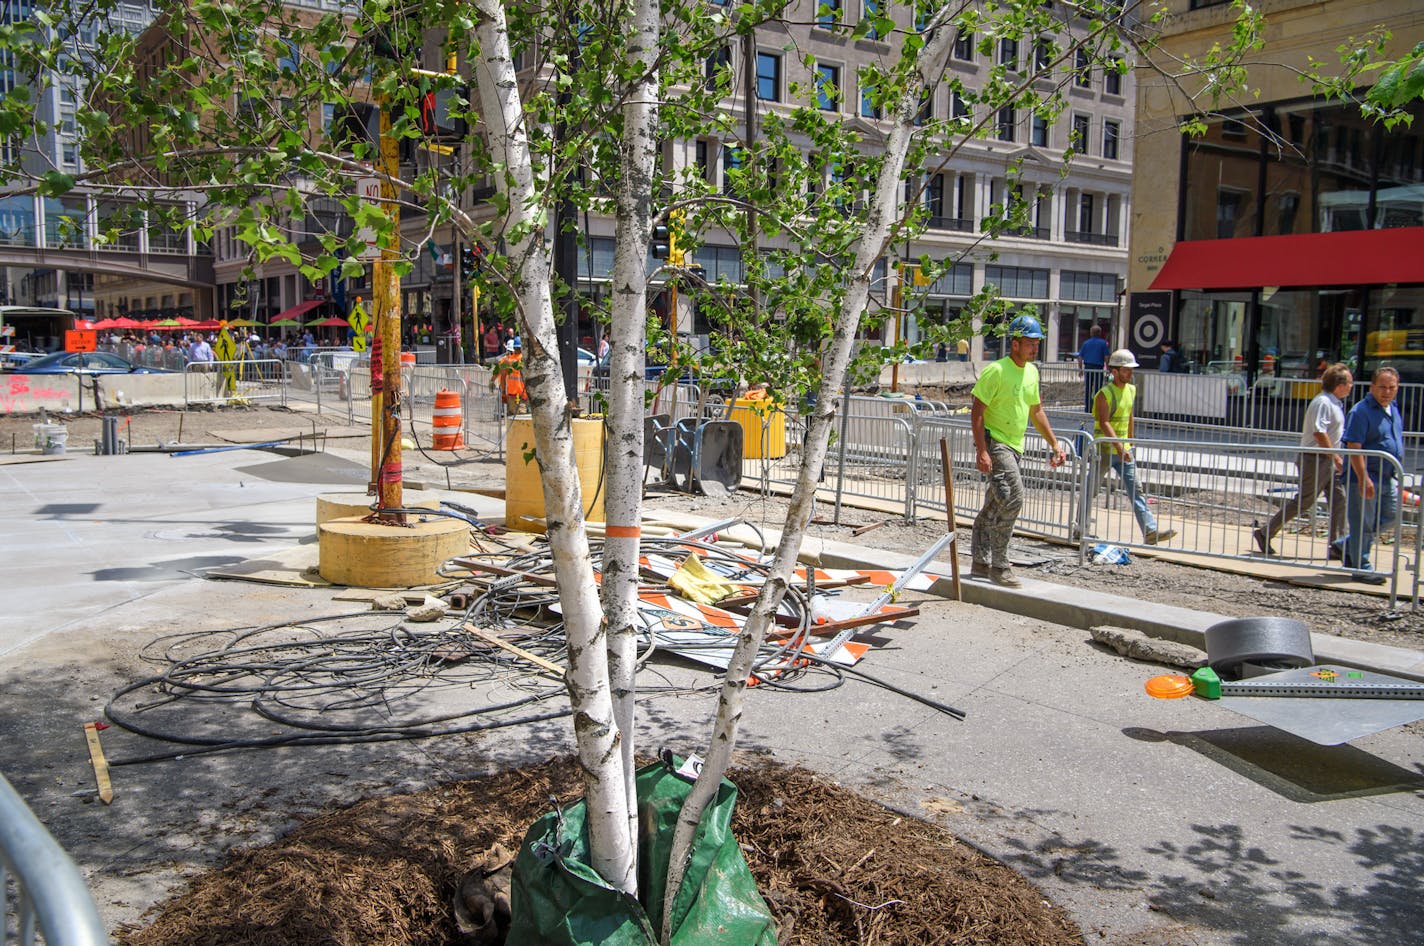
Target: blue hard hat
[(1025, 326)]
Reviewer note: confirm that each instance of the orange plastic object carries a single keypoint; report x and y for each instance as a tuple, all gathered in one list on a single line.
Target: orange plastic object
[(1170, 686)]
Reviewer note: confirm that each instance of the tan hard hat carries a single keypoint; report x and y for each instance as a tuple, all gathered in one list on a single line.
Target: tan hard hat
[(1122, 358)]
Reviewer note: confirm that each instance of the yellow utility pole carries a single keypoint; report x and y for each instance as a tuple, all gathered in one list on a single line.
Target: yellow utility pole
[(385, 428)]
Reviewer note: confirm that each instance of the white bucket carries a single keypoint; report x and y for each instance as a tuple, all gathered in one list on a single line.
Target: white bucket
[(50, 438)]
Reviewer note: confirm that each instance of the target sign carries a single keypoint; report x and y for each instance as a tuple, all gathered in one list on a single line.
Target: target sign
[(1149, 314)]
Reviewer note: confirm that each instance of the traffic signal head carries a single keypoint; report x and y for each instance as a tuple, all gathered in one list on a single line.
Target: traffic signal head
[(662, 245), (467, 263)]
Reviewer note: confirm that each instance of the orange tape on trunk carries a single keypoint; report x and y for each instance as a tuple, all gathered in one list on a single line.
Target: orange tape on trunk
[(623, 532)]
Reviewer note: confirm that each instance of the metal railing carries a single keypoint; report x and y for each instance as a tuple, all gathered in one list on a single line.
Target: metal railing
[(48, 895), (226, 382)]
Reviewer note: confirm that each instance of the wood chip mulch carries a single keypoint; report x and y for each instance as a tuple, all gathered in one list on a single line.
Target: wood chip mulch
[(834, 867)]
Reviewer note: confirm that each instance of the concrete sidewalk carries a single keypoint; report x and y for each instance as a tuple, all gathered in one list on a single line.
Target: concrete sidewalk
[(1152, 822)]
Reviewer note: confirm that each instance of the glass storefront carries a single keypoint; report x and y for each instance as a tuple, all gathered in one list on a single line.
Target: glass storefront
[(1324, 169), (1394, 332)]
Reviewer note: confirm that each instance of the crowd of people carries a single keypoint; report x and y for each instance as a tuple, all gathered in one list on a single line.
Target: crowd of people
[(174, 350), (1363, 493)]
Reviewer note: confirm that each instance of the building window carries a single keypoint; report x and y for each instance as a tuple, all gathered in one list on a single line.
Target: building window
[(830, 14), (1009, 54), (1085, 213), (704, 168), (1082, 129), (1082, 69), (964, 46), (958, 105), (731, 168), (1042, 55), (828, 87), (1287, 205), (1087, 287), (719, 68), (768, 74), (934, 195), (1228, 212), (868, 108), (1006, 124), (1018, 282), (1038, 133), (1112, 131), (926, 112), (1112, 76), (873, 9)]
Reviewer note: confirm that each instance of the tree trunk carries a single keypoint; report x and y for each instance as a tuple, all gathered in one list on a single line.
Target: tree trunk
[(884, 212), (623, 463), (610, 843)]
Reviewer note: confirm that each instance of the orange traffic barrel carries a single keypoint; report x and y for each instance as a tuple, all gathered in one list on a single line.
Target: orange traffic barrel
[(407, 359), (449, 419)]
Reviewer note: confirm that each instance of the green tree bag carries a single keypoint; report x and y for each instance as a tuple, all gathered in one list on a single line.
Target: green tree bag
[(559, 900)]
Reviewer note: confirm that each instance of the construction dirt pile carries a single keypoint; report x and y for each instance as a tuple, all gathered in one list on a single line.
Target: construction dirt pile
[(833, 867)]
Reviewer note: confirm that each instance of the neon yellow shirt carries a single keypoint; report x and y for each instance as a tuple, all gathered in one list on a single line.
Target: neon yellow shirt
[(1120, 400), (1007, 392)]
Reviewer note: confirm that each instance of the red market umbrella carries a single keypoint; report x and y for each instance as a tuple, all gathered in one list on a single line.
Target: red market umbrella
[(331, 322)]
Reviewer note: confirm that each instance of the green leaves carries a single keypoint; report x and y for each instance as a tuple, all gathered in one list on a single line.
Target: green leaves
[(55, 184)]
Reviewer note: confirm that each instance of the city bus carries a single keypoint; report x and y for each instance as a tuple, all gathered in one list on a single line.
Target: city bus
[(33, 328)]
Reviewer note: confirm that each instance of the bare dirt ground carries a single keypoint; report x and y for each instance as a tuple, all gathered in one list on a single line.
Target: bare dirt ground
[(833, 870)]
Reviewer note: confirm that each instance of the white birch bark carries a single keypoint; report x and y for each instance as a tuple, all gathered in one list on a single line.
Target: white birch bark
[(596, 734), (884, 211), (623, 463)]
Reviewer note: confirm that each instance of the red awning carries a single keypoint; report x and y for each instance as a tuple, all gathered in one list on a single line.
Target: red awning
[(296, 311), (1352, 258)]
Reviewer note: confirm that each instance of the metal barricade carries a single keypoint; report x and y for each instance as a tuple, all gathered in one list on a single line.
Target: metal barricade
[(227, 382), (1051, 494), (48, 895), (1216, 495)]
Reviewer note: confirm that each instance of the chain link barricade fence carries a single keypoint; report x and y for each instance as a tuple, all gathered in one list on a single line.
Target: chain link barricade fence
[(42, 890), (234, 382)]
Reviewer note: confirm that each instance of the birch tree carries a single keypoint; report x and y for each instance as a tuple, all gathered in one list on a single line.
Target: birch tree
[(252, 109)]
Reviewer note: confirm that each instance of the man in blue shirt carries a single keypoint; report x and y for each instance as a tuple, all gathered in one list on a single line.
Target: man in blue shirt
[(1371, 483), (1093, 356)]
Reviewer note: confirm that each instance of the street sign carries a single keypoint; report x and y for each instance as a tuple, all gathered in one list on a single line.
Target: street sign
[(225, 349), (80, 339), (369, 190)]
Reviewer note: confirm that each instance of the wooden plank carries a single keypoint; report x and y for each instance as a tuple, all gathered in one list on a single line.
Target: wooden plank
[(490, 637), (101, 765)]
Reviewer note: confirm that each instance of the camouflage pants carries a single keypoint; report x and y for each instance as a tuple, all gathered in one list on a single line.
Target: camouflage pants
[(1002, 501)]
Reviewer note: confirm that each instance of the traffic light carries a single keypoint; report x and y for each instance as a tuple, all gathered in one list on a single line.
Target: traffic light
[(472, 262), (662, 242), (677, 219)]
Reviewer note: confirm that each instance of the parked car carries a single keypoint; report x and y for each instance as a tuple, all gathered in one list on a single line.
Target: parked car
[(85, 362)]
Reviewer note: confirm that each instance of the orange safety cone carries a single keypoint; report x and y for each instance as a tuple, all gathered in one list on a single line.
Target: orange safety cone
[(1408, 498), (449, 418)]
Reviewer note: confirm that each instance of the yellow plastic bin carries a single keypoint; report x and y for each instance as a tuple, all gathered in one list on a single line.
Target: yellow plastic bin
[(763, 428), (524, 486)]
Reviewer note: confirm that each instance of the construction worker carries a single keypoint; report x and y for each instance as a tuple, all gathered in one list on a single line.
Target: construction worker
[(507, 377), (1004, 400), (1112, 419)]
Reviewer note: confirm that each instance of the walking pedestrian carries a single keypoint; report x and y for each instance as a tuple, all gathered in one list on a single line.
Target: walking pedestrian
[(1319, 472), (1092, 355), (1005, 399), (1112, 419), (1372, 494)]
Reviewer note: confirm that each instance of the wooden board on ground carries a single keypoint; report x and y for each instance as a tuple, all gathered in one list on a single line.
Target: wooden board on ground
[(296, 567)]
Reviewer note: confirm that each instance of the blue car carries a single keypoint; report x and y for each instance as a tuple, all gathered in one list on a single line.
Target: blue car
[(84, 362)]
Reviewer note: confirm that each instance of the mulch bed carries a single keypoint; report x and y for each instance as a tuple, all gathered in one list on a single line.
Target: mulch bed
[(834, 867)]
